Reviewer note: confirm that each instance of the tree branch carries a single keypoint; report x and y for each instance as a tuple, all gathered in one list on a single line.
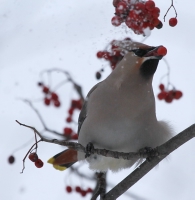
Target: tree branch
[(144, 168), (163, 150)]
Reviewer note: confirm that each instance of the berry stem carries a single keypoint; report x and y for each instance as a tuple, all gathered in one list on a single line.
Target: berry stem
[(28, 151), (169, 9)]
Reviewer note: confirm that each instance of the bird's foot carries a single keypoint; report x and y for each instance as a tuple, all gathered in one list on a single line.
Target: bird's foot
[(89, 149), (148, 152)]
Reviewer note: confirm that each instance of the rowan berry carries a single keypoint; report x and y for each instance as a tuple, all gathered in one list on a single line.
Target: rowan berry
[(69, 189), (47, 101), (45, 90), (116, 21), (54, 96), (11, 159), (67, 131), (162, 51), (173, 22), (39, 163), (78, 189), (33, 157), (161, 87), (75, 137), (69, 119), (178, 94), (57, 103)]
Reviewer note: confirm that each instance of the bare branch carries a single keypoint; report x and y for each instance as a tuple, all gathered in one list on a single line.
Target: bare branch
[(41, 119), (71, 145), (163, 150)]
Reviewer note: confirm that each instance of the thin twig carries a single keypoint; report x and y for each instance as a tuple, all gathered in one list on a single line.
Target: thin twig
[(27, 155), (41, 119), (169, 9), (77, 87)]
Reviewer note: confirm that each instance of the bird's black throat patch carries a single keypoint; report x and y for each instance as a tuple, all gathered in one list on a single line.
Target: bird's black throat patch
[(148, 68)]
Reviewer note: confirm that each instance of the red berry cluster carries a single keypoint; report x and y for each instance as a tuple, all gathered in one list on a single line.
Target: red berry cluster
[(169, 95), (137, 15), (50, 97), (78, 189), (75, 104), (34, 158), (11, 159), (113, 56), (69, 133)]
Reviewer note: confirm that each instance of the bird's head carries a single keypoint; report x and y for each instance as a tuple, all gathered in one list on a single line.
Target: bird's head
[(140, 58)]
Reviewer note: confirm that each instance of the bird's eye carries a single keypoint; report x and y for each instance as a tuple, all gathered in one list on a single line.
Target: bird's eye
[(140, 52)]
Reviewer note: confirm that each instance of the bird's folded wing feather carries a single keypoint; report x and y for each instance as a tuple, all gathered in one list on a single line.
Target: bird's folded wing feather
[(83, 113)]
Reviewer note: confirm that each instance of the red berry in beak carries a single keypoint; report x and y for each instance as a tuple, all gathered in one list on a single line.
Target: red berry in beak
[(162, 51)]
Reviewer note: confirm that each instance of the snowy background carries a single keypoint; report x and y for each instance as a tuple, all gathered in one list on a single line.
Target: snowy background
[(39, 35)]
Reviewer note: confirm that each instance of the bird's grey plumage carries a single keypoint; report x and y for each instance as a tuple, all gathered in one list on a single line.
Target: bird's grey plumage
[(119, 115), (83, 113)]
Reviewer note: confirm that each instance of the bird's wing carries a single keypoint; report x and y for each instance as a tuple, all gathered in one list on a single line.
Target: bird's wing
[(83, 113)]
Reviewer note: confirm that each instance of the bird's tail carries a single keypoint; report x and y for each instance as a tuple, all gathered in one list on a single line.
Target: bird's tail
[(64, 159)]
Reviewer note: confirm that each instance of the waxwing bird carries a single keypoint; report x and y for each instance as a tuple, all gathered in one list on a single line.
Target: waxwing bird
[(119, 112)]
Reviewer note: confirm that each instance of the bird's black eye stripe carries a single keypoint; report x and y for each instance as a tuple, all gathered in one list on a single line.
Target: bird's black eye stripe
[(141, 52)]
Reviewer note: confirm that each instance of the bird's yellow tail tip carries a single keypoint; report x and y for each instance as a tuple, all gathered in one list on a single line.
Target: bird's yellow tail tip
[(51, 160), (58, 167)]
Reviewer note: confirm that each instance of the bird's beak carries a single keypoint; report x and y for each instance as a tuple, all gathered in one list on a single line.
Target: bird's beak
[(154, 53)]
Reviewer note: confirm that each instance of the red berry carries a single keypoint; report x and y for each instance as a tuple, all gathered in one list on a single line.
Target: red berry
[(75, 137), (121, 7), (45, 90), (160, 25), (39, 163), (178, 94), (169, 97), (156, 22), (116, 21), (83, 193), (57, 103), (79, 104), (150, 5), (89, 190), (162, 51), (74, 104), (70, 111), (162, 95), (11, 159), (162, 87), (69, 119), (54, 96), (156, 12), (173, 22), (47, 101), (67, 131), (69, 189), (115, 2), (139, 6), (99, 54), (33, 157), (78, 189)]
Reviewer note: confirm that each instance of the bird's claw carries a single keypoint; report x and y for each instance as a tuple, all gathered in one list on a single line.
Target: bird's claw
[(150, 152), (89, 149)]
